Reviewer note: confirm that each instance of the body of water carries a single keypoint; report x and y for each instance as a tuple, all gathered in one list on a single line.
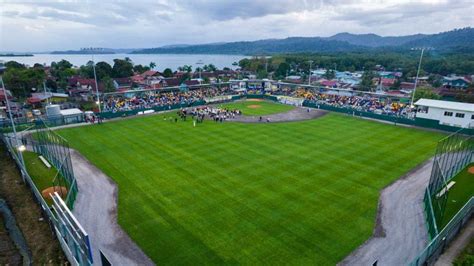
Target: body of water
[(162, 61)]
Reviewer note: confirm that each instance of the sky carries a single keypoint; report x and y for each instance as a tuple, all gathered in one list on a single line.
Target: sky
[(33, 26)]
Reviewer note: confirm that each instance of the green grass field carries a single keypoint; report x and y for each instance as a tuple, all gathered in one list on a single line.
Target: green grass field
[(458, 195), (41, 175), (265, 107), (275, 193)]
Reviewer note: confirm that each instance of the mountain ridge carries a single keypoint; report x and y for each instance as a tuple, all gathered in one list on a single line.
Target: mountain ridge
[(342, 42)]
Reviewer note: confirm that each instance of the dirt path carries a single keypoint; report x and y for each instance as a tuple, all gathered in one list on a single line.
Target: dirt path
[(297, 114), (96, 210), (400, 233)]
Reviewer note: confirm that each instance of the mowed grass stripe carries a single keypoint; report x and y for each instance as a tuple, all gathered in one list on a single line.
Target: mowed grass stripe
[(300, 193)]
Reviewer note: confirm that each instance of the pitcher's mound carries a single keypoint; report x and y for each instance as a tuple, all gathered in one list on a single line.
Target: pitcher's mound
[(254, 106), (62, 191), (471, 170)]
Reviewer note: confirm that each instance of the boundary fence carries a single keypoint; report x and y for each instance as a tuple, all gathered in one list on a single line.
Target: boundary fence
[(453, 154), (64, 229), (438, 244), (419, 122)]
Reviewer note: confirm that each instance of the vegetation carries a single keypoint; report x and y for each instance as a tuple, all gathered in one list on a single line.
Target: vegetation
[(466, 257), (455, 40), (427, 93), (271, 193), (41, 241), (458, 195), (406, 62)]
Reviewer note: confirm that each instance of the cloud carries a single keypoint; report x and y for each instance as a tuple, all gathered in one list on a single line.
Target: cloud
[(130, 24)]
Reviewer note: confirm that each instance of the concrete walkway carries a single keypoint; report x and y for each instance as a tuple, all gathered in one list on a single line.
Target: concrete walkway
[(96, 210), (400, 233), (457, 246)]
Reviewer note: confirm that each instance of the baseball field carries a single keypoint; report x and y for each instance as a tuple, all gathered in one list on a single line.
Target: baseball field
[(276, 193)]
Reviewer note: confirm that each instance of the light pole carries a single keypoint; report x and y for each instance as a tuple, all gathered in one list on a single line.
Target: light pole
[(416, 79), (309, 79), (200, 63), (96, 85), (19, 146)]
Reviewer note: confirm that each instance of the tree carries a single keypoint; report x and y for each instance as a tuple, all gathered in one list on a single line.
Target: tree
[(122, 68), (51, 85), (20, 81), (103, 69), (152, 65), (427, 93), (262, 74), (87, 70), (140, 68), (366, 83), (282, 70), (210, 68), (186, 68), (108, 84), (14, 64), (329, 74), (167, 73)]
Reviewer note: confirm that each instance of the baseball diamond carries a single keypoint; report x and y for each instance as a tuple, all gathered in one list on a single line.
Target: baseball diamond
[(297, 192)]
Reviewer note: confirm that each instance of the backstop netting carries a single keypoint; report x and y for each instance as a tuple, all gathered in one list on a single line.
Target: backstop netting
[(453, 154), (55, 149)]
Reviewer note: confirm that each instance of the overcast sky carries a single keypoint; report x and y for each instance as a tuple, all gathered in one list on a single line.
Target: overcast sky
[(50, 25)]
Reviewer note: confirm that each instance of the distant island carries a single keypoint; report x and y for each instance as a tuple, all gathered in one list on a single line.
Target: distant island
[(97, 51), (15, 55)]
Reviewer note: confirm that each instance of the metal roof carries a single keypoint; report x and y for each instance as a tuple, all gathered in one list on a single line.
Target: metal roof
[(468, 107)]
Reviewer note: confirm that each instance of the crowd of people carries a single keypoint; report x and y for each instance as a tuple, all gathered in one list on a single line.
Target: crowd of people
[(200, 113), (360, 103), (156, 98), (151, 99)]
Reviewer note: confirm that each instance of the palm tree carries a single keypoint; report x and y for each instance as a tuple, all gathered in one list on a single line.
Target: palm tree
[(152, 65)]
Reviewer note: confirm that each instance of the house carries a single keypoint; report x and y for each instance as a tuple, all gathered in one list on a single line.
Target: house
[(122, 83), (456, 82), (328, 83), (445, 112), (407, 86), (171, 82), (39, 98), (2, 95), (151, 73)]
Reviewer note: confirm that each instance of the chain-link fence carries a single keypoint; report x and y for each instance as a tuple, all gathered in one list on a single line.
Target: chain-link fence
[(71, 240), (453, 154)]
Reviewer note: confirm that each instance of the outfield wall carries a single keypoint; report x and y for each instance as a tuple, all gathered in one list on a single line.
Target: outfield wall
[(419, 122)]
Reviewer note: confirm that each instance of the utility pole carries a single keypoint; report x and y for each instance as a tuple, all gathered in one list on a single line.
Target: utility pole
[(96, 85), (44, 87), (309, 79), (416, 79)]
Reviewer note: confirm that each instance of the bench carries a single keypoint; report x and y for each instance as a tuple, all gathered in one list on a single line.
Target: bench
[(446, 189), (46, 163)]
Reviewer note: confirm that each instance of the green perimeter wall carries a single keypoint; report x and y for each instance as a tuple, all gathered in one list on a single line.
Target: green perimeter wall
[(419, 122)]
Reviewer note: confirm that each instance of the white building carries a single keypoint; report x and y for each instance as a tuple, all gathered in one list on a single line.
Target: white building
[(447, 113)]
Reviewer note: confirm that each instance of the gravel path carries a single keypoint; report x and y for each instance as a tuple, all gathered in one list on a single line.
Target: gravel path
[(400, 233), (96, 210), (299, 113)]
